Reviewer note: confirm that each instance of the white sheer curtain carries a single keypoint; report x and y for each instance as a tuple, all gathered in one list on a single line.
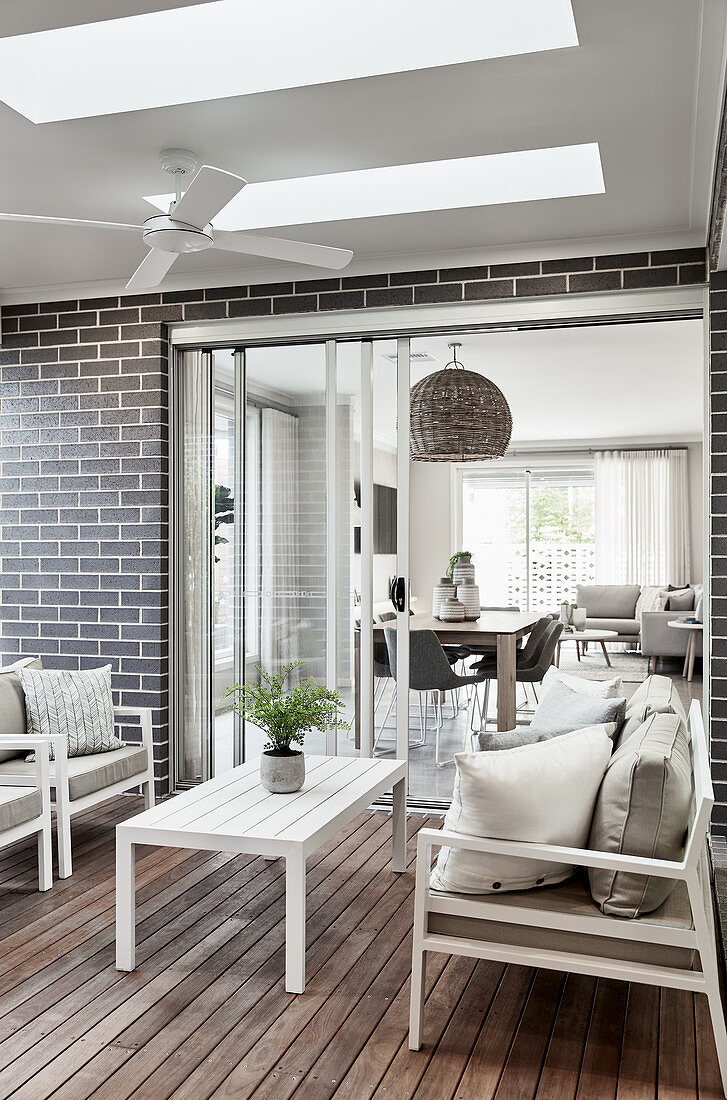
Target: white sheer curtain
[(642, 517), (280, 505)]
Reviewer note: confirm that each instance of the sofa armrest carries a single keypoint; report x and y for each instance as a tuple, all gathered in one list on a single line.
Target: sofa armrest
[(660, 640), (551, 853), (144, 716)]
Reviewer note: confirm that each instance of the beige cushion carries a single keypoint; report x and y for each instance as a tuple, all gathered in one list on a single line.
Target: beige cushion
[(658, 695), (13, 721), (642, 809), (571, 900), (543, 792), (617, 601), (601, 689), (18, 804), (87, 774), (628, 627)]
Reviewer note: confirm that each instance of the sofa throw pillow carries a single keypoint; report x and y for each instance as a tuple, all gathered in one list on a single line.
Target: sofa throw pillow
[(682, 600), (642, 809), (699, 610), (603, 689), (658, 695), (77, 704), (526, 735), (12, 705), (562, 709), (543, 792)]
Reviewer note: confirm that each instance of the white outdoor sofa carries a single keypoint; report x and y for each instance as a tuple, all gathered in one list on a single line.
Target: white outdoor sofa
[(561, 928), (26, 811), (79, 782)]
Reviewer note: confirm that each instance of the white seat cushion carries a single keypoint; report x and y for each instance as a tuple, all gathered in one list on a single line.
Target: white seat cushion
[(17, 805), (631, 627), (87, 774)]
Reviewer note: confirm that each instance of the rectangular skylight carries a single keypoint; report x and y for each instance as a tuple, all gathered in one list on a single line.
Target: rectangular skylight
[(237, 47), (408, 188)]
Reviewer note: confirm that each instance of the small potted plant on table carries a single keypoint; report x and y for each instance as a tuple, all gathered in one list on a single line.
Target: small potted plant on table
[(285, 717)]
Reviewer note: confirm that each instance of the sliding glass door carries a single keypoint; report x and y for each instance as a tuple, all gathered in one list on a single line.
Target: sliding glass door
[(291, 512)]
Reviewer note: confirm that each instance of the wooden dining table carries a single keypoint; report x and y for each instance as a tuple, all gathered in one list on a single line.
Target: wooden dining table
[(500, 629)]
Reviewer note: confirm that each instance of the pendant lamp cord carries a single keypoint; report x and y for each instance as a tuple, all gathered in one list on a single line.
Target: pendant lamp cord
[(455, 361)]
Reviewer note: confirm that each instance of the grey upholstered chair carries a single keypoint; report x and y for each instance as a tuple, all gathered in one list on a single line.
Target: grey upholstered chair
[(430, 673), (531, 663)]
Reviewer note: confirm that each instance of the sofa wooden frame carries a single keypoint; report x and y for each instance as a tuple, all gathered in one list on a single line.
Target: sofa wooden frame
[(61, 803), (40, 825), (693, 870)]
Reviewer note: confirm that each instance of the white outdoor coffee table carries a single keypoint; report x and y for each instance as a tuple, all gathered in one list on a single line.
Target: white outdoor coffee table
[(695, 632), (233, 813), (579, 636)]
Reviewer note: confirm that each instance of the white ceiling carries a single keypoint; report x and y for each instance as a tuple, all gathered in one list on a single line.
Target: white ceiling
[(645, 83), (605, 384)]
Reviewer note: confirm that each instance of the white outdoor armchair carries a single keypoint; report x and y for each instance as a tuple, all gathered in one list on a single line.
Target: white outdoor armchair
[(25, 811)]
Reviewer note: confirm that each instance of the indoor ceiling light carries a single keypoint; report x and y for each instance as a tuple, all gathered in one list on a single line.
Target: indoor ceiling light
[(409, 188), (233, 47), (458, 415)]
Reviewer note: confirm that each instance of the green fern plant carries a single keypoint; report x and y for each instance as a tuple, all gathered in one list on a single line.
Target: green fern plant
[(286, 716), (454, 559)]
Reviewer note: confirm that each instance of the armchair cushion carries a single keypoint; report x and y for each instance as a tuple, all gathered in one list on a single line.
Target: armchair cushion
[(658, 694), (87, 774), (600, 689), (543, 792), (642, 810), (78, 704), (562, 709), (18, 805), (13, 720)]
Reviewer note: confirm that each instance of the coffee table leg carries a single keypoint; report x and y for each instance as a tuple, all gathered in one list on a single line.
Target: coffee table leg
[(398, 827), (605, 654), (125, 899), (295, 923)]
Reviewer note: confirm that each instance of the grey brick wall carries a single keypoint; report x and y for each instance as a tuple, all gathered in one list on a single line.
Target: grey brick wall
[(718, 542), (84, 449)]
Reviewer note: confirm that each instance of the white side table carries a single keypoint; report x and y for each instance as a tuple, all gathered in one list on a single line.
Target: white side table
[(695, 632), (579, 636)]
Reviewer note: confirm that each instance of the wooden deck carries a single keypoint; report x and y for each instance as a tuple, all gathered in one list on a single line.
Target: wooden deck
[(206, 1014)]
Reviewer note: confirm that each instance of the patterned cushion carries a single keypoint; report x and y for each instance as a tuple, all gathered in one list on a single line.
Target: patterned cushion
[(77, 704)]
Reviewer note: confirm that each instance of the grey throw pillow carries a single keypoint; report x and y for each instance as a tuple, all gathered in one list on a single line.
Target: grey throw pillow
[(12, 706), (77, 704), (642, 809), (561, 710), (683, 600)]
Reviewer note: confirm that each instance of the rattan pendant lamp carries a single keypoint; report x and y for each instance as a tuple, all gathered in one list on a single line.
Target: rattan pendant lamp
[(458, 415)]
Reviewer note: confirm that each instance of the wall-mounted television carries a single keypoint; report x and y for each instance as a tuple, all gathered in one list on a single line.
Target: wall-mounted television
[(384, 521)]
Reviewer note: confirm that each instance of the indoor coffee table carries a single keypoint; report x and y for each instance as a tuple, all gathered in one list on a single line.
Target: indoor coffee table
[(233, 813), (695, 632), (579, 636)]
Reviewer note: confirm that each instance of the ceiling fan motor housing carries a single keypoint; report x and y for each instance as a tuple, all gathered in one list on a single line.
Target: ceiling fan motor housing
[(169, 235)]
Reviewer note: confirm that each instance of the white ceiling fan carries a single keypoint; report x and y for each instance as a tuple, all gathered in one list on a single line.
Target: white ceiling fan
[(187, 227)]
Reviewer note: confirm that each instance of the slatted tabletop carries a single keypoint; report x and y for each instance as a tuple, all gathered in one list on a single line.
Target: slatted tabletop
[(234, 805), (233, 812)]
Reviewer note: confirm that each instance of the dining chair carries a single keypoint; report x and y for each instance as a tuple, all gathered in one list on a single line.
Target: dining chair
[(430, 673), (531, 663)]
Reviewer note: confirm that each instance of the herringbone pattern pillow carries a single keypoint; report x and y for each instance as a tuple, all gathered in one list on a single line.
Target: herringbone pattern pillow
[(77, 704)]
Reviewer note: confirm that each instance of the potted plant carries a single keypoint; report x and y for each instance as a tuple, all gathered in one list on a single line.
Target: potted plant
[(460, 557), (286, 717)]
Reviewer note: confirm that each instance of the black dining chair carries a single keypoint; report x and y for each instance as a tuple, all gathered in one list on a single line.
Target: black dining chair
[(531, 662)]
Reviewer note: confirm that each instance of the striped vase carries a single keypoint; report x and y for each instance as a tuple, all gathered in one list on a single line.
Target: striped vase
[(468, 595), (442, 589), (451, 611)]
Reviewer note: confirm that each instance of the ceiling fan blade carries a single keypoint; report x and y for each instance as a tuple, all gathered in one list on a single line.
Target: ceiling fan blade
[(210, 190), (41, 219), (275, 248), (152, 269)]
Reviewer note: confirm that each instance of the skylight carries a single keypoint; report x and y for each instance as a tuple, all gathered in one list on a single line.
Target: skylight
[(236, 47), (408, 188)]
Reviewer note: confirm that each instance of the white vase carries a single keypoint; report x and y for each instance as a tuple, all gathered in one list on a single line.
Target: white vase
[(463, 571), (579, 618), (451, 611), (442, 589), (468, 595)]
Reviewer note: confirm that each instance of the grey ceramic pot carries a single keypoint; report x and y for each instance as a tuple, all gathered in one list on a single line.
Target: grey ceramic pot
[(282, 774)]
